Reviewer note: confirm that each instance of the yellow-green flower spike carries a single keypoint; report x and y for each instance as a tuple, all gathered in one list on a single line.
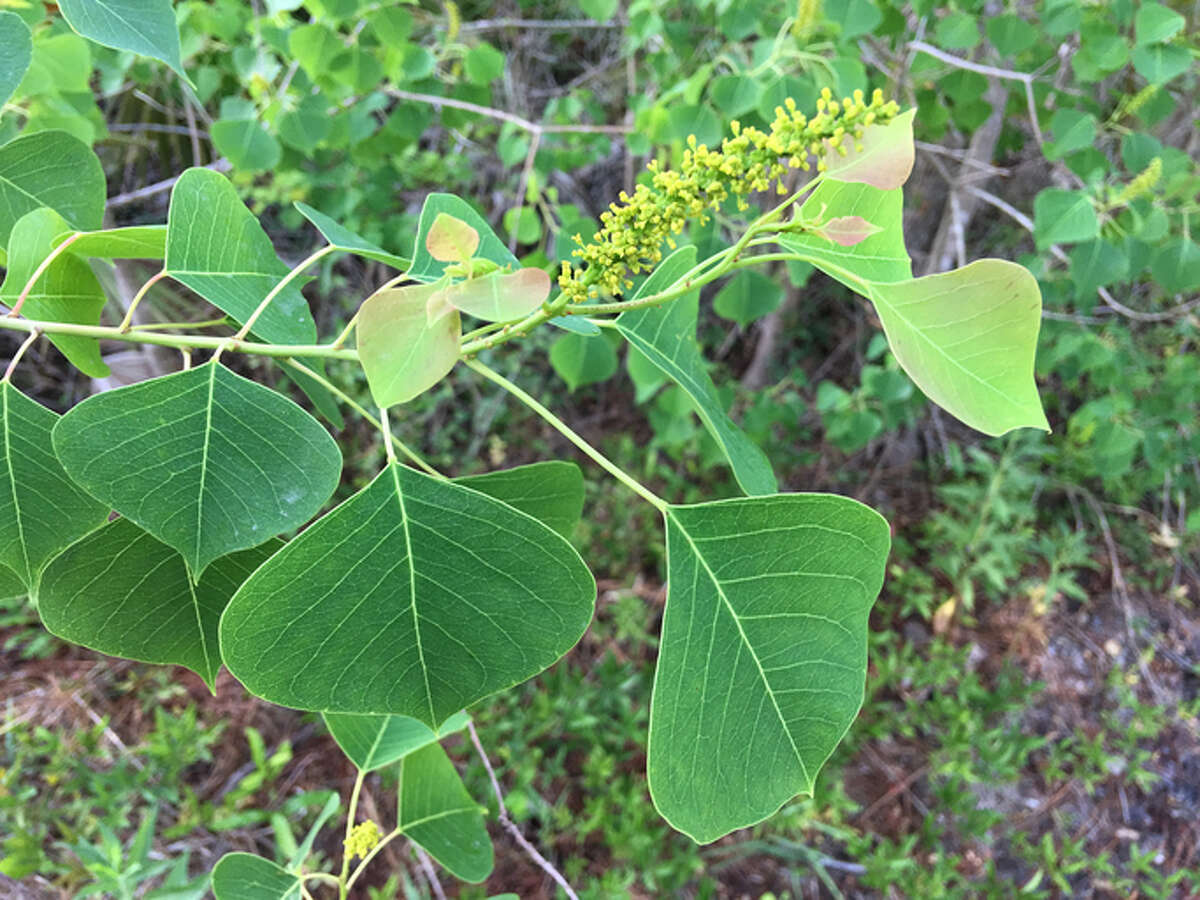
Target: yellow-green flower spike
[(363, 838), (633, 231)]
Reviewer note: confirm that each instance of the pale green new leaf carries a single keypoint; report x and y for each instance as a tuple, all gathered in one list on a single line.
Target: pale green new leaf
[(372, 742), (18, 43), (879, 257), (550, 491), (437, 813), (968, 339), (205, 460), (216, 247), (132, 242), (763, 653), (244, 876), (415, 597), (345, 239), (885, 160), (425, 267), (146, 27), (500, 296), (54, 169), (121, 592), (67, 291), (666, 335), (402, 352), (41, 509)]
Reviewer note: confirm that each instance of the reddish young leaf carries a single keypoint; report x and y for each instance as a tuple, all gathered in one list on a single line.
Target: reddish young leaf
[(847, 230), (885, 160), (451, 239), (500, 296), (402, 350)]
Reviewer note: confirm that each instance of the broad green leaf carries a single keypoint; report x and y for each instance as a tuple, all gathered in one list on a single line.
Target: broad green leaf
[(523, 223), (437, 813), (735, 94), (880, 257), (763, 652), (576, 325), (305, 126), (1159, 63), (11, 585), (748, 296), (693, 120), (372, 742), (41, 509), (957, 31), (314, 47), (1063, 217), (216, 247), (550, 491), (968, 339), (403, 351), (425, 267), (205, 460), (855, 17), (500, 296), (50, 168), (885, 160), (415, 597), (1156, 23), (1096, 264), (451, 240), (483, 64), (146, 27), (1176, 266), (67, 291), (133, 242), (581, 360), (1010, 34), (1073, 130), (246, 144), (17, 42), (666, 335), (647, 378), (121, 592), (345, 239), (244, 876)]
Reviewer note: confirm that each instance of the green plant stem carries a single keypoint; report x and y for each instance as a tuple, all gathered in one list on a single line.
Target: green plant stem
[(12, 363), (287, 279), (351, 812), (365, 413), (345, 335), (137, 299), (383, 842), (168, 326), (180, 341), (323, 877), (39, 272), (566, 431), (386, 431)]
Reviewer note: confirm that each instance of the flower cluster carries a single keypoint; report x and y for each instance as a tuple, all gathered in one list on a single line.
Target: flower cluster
[(1142, 184), (363, 838), (632, 232)]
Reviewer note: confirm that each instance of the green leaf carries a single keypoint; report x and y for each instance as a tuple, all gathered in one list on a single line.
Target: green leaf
[(146, 27), (880, 257), (216, 247), (524, 223), (666, 335), (403, 351), (1096, 264), (581, 360), (246, 144), (17, 40), (483, 64), (345, 239), (1156, 23), (50, 168), (763, 653), (1159, 63), (451, 240), (205, 460), (735, 94), (314, 47), (11, 585), (885, 160), (425, 267), (576, 325), (67, 291), (748, 296), (41, 509), (436, 812), (647, 378), (600, 10), (968, 339), (1176, 266), (957, 31), (1063, 217), (305, 126), (372, 742), (1073, 130), (500, 296), (121, 592), (550, 491), (856, 17), (244, 876), (415, 597), (133, 242), (1010, 34)]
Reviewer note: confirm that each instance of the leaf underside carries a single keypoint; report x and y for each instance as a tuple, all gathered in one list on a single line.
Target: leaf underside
[(244, 876), (372, 742), (763, 653), (551, 491)]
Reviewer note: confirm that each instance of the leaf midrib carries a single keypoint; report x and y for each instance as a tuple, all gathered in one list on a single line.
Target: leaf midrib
[(412, 588), (212, 381), (745, 640), (12, 482)]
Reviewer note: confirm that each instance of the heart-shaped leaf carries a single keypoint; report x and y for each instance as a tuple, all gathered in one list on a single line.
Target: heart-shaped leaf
[(52, 169), (405, 350), (41, 509), (205, 460), (763, 653), (142, 26), (425, 267), (121, 592), (415, 597), (372, 742), (437, 813), (500, 296)]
